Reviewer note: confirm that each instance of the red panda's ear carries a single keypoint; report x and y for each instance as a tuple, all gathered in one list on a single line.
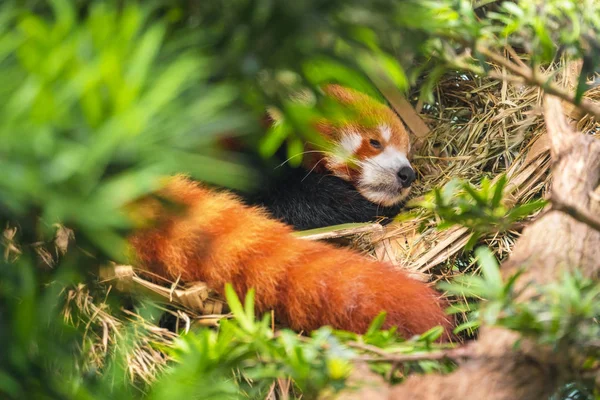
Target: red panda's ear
[(353, 99), (340, 93)]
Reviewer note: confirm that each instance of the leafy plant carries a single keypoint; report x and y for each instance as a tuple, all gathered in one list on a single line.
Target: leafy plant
[(479, 209), (95, 112), (558, 314), (245, 356)]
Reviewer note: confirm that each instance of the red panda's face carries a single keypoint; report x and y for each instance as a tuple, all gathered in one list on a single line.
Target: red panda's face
[(370, 150)]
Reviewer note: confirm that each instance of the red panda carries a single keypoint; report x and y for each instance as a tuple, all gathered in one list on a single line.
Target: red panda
[(363, 176), (217, 239)]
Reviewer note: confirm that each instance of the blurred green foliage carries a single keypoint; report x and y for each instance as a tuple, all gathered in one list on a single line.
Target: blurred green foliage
[(96, 110), (258, 356), (99, 100), (245, 357)]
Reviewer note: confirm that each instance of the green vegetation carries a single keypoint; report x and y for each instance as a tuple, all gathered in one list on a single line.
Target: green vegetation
[(479, 209), (559, 314), (99, 100)]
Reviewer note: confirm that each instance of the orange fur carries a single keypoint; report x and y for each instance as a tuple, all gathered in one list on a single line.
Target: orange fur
[(216, 239)]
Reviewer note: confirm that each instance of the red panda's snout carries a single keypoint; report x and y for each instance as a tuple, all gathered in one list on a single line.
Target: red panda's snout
[(371, 150)]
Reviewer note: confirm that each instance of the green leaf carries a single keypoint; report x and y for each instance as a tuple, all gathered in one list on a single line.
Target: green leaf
[(499, 191), (475, 195), (451, 188), (432, 334), (513, 8), (526, 209), (466, 286), (327, 70), (489, 268), (473, 239), (545, 41), (144, 55), (377, 324), (65, 15), (237, 309), (510, 283), (467, 326), (458, 308), (393, 69), (273, 139), (428, 86), (295, 151), (249, 306)]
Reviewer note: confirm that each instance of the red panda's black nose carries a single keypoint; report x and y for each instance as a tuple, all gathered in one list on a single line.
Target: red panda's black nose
[(406, 176)]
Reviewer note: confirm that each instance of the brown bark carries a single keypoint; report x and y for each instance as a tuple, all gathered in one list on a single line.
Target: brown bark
[(554, 243), (408, 114)]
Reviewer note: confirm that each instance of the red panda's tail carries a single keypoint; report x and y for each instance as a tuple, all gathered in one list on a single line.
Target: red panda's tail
[(217, 239)]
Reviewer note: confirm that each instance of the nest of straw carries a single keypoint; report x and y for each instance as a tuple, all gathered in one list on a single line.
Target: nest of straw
[(480, 128), (477, 127)]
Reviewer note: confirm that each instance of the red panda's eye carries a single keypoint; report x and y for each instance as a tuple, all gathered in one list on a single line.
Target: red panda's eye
[(375, 143)]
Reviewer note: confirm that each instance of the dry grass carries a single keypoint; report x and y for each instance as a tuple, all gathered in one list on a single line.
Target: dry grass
[(105, 337), (479, 127)]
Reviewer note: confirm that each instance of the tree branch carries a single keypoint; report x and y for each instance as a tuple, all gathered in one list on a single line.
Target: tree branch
[(576, 212), (384, 356)]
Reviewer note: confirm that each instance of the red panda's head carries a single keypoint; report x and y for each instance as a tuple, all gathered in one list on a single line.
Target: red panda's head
[(370, 149)]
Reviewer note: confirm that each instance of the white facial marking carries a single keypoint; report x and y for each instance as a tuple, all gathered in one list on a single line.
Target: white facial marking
[(350, 142), (346, 149), (391, 160), (379, 180), (386, 132)]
